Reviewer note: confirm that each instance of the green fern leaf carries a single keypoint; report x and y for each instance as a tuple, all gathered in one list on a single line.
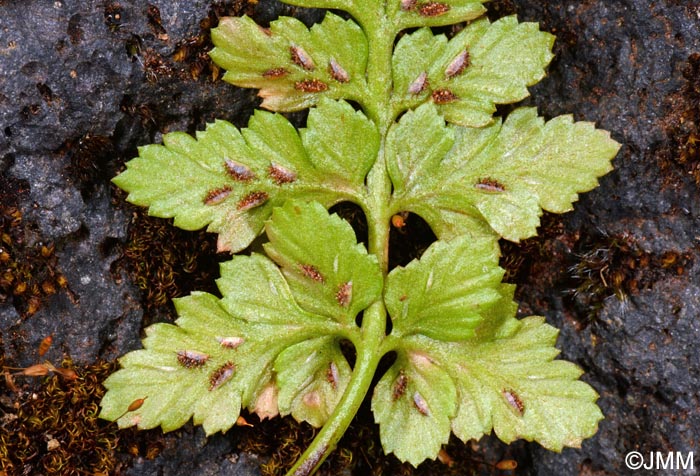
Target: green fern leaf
[(483, 65), (294, 67), (230, 180), (503, 175), (241, 350)]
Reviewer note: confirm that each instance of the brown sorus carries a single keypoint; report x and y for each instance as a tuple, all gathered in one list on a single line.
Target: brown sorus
[(344, 294), (408, 5), (221, 375), (238, 172), (68, 374), (301, 58), (310, 271), (275, 73), (457, 65), (218, 195), (281, 175), (514, 401), (191, 358), (398, 221), (433, 9), (490, 185), (420, 404), (419, 84), (337, 71), (136, 404), (36, 370), (311, 86), (443, 96), (230, 342), (507, 465), (332, 375), (252, 200), (399, 386)]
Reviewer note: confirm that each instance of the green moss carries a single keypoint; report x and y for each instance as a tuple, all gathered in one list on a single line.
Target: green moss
[(617, 266), (166, 262), (54, 430), (29, 271)]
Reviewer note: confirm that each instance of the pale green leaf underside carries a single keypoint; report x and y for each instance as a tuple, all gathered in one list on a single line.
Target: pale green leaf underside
[(413, 404), (498, 320), (510, 385), (416, 13), (230, 180), (502, 175), (414, 172), (293, 66), (502, 59), (224, 354), (173, 392), (312, 376), (399, 15), (332, 274), (447, 293), (557, 409)]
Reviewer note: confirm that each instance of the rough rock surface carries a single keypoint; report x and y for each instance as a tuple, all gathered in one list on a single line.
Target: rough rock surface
[(631, 67), (84, 83)]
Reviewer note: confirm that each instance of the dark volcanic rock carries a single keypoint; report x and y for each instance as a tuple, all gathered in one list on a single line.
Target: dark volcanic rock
[(629, 66), (189, 452), (84, 83)]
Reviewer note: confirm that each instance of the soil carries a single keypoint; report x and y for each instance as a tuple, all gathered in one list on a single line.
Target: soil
[(84, 83)]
